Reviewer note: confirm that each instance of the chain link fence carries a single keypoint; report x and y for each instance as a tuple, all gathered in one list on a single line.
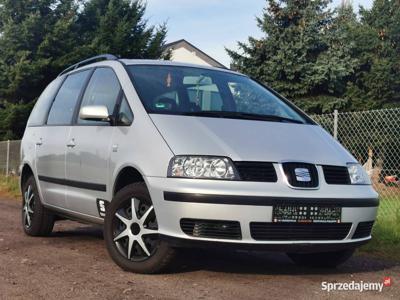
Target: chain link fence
[(9, 157), (373, 137)]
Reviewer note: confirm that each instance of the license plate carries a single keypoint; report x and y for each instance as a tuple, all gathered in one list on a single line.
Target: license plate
[(306, 214)]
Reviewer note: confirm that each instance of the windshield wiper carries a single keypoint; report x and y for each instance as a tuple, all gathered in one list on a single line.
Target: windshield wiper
[(241, 115)]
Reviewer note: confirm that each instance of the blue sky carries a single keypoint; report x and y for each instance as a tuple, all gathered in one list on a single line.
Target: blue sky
[(212, 25)]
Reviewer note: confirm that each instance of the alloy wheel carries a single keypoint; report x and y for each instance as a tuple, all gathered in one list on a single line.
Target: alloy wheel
[(28, 208), (135, 230)]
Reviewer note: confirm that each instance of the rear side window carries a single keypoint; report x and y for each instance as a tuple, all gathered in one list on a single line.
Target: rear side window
[(42, 106), (64, 104), (103, 90)]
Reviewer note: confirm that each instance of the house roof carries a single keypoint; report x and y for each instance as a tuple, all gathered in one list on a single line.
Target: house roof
[(204, 56)]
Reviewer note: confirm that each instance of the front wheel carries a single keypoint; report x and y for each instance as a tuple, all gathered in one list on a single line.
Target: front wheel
[(321, 259), (131, 232)]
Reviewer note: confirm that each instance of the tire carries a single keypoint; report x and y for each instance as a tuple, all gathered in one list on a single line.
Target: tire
[(36, 219), (122, 228), (321, 259)]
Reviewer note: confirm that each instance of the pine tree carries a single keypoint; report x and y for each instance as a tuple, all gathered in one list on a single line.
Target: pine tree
[(119, 27), (303, 54), (39, 38), (376, 82), (28, 33)]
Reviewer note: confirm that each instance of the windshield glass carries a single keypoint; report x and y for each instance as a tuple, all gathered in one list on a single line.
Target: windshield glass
[(210, 93)]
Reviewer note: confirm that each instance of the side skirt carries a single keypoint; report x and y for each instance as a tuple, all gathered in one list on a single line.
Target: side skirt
[(75, 216)]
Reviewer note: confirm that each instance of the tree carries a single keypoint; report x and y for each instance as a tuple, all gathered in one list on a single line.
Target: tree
[(13, 119), (303, 55), (119, 27), (39, 38), (376, 82), (27, 34)]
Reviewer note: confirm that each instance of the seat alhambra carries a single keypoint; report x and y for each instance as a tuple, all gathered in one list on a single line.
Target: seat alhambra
[(167, 155)]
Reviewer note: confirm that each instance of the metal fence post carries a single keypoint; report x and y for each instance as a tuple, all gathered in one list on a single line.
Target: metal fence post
[(8, 158), (376, 130), (335, 123)]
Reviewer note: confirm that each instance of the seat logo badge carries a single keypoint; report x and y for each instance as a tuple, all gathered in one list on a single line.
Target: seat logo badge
[(302, 175), (102, 207)]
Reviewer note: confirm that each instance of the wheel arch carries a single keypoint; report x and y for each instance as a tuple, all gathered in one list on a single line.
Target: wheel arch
[(26, 171), (125, 176)]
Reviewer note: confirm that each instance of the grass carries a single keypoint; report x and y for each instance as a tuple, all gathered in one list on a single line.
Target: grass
[(385, 236), (385, 241), (10, 186)]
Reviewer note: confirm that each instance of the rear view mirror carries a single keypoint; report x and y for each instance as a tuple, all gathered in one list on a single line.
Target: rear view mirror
[(94, 113)]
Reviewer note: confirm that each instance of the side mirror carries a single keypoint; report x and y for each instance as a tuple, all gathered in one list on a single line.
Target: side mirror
[(94, 113)]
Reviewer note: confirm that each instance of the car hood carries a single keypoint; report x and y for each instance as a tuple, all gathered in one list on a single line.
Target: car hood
[(249, 140)]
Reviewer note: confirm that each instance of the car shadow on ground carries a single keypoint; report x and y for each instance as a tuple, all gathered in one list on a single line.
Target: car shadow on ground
[(229, 261), (90, 231), (271, 263)]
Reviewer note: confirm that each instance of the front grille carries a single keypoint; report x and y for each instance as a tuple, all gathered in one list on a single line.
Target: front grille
[(289, 231), (212, 229), (363, 230), (301, 175), (336, 175), (256, 171)]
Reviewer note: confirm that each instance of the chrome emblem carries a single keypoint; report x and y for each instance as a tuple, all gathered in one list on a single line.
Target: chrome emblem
[(302, 175)]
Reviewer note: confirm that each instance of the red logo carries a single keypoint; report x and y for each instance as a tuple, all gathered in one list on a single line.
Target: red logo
[(387, 281)]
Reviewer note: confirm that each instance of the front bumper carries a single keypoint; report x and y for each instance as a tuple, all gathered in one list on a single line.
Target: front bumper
[(283, 247), (246, 202)]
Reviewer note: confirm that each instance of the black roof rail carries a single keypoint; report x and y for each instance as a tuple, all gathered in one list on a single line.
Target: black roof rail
[(89, 61)]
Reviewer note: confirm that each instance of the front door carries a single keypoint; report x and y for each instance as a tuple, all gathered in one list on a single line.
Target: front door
[(88, 154)]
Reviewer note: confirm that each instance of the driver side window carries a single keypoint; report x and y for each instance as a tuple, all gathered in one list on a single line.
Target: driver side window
[(103, 90), (125, 115)]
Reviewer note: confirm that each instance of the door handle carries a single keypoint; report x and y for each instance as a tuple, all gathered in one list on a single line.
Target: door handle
[(71, 143), (39, 142)]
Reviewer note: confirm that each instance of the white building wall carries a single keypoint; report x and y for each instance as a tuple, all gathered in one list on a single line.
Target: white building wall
[(183, 55)]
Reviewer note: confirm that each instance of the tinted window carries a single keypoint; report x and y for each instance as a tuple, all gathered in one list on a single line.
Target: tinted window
[(206, 92), (125, 115), (204, 97), (63, 108), (103, 89), (250, 97), (41, 109)]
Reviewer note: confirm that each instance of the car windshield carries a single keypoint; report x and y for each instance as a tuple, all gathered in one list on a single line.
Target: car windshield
[(193, 91)]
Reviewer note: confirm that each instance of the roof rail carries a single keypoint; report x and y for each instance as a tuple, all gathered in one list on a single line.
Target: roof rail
[(89, 61)]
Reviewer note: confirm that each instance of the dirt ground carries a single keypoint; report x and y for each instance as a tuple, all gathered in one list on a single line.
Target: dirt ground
[(73, 263)]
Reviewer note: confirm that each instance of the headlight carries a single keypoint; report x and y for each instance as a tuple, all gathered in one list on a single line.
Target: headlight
[(205, 167), (358, 174)]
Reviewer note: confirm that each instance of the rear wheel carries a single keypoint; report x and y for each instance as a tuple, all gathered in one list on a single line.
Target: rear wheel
[(321, 259), (36, 219), (131, 232)]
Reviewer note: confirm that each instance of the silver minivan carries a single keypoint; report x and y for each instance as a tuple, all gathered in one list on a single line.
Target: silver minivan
[(168, 155)]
